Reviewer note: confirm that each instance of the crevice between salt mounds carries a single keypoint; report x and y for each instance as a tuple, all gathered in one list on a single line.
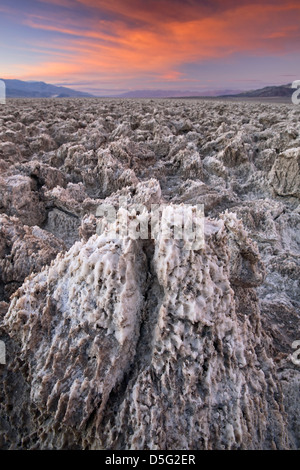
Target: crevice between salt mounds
[(191, 370)]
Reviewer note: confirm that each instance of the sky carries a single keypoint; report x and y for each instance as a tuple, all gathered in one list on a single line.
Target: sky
[(112, 46)]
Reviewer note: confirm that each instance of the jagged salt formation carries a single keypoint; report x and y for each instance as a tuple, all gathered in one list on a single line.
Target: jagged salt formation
[(23, 250), (144, 345), (202, 357)]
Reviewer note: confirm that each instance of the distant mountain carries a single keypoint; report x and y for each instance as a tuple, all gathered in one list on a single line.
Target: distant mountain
[(22, 89), (170, 93), (281, 91), (31, 89)]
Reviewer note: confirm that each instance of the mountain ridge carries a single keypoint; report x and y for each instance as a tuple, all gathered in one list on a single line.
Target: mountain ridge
[(38, 89), (270, 91)]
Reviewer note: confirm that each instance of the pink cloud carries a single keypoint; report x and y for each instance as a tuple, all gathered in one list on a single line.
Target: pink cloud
[(164, 36)]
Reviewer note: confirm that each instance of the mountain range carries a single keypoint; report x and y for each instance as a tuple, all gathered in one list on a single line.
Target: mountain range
[(282, 91), (172, 93), (22, 89), (32, 89)]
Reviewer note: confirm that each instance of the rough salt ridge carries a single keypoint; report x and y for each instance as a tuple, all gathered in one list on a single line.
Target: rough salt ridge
[(143, 344)]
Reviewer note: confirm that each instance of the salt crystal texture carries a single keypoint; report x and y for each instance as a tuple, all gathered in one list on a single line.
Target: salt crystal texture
[(146, 343)]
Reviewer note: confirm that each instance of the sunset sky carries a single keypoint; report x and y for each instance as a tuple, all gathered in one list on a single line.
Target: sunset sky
[(108, 46)]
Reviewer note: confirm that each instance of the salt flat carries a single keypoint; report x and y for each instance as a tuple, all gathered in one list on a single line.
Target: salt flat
[(143, 344)]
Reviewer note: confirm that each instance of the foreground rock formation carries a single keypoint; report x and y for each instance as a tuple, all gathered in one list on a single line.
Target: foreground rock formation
[(143, 343)]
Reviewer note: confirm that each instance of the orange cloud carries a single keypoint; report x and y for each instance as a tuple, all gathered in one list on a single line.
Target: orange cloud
[(145, 41)]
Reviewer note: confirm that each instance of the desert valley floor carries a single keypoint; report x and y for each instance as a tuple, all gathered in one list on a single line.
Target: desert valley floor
[(123, 343)]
